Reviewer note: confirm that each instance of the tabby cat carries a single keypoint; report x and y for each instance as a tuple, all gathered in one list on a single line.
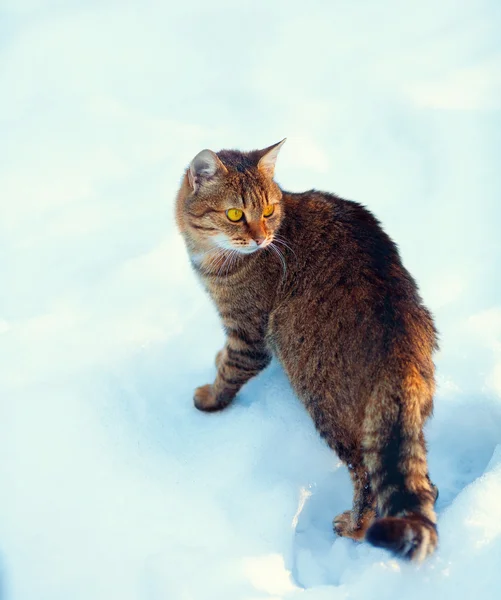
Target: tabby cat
[(315, 281)]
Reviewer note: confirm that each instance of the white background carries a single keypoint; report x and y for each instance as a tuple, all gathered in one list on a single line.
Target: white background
[(111, 484)]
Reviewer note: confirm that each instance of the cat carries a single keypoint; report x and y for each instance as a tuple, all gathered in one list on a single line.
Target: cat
[(314, 280)]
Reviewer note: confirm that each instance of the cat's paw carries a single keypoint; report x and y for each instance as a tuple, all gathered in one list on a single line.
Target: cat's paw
[(345, 526), (205, 399), (342, 524)]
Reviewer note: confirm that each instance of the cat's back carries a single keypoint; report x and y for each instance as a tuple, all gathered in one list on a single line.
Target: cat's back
[(339, 245), (342, 229), (347, 300)]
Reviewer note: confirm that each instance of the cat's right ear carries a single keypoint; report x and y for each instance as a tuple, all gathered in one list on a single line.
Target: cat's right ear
[(268, 158), (205, 167)]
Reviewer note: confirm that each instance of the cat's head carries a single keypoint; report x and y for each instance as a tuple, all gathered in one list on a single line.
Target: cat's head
[(229, 200)]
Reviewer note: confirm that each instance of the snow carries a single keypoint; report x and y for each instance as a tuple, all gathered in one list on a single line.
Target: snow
[(112, 484)]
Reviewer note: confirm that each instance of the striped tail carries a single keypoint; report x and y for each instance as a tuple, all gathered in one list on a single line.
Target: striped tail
[(395, 459)]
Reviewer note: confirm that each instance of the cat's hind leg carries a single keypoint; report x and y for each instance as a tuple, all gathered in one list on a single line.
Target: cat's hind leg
[(355, 522)]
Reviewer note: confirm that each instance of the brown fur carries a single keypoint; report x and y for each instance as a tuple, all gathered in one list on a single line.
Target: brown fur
[(332, 301)]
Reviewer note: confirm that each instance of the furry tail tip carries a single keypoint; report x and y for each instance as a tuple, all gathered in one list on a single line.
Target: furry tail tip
[(413, 537)]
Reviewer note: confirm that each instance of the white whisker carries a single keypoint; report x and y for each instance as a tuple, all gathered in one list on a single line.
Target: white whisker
[(280, 240), (232, 259), (214, 258), (280, 256), (226, 263)]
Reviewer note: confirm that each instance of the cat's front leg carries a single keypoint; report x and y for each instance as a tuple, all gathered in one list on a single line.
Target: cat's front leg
[(219, 357), (236, 363)]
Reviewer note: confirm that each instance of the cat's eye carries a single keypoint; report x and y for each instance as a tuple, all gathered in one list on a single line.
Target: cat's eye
[(269, 210), (234, 214)]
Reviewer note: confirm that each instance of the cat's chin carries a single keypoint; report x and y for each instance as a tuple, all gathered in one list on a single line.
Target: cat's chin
[(245, 249)]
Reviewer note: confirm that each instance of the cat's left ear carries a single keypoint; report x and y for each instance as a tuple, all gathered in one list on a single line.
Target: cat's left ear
[(268, 158), (204, 167)]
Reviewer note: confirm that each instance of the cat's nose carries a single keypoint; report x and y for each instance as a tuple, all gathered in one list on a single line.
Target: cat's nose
[(259, 240)]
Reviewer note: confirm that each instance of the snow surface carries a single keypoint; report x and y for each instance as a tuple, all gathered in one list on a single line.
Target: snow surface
[(111, 484)]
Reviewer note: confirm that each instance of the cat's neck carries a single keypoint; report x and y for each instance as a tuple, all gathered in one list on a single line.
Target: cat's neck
[(217, 262)]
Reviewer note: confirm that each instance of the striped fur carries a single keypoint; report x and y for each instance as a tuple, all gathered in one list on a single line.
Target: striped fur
[(330, 298)]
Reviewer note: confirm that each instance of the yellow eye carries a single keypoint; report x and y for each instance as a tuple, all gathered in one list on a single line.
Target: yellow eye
[(234, 214), (269, 210)]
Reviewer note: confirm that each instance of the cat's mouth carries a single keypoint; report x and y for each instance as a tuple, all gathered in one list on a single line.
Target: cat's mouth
[(251, 249)]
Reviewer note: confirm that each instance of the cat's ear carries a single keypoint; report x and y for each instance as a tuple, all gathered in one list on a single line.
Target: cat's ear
[(268, 158), (205, 167)]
